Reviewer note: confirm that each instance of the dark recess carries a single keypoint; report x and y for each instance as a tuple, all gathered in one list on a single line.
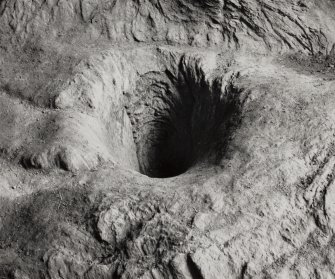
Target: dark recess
[(191, 127)]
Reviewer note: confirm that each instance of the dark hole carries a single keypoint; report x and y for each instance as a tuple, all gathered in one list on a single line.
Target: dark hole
[(187, 124)]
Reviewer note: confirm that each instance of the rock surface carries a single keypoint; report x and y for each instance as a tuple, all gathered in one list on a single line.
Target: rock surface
[(167, 139)]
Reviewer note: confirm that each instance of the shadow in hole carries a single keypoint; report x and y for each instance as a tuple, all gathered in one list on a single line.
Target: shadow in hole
[(193, 127)]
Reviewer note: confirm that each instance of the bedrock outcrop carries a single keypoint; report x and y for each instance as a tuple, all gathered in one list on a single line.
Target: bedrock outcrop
[(167, 139)]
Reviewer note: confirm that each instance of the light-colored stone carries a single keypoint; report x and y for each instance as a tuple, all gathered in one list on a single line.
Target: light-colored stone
[(167, 139)]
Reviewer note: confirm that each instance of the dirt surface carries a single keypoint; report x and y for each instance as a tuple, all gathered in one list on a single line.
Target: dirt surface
[(167, 139)]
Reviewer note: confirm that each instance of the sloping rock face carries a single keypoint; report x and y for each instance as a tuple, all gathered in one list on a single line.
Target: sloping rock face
[(167, 139), (299, 24)]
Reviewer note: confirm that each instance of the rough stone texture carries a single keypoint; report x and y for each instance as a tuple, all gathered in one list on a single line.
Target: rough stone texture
[(167, 139), (295, 24)]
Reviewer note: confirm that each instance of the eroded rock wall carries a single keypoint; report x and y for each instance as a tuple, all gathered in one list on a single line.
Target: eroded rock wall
[(274, 25), (167, 139)]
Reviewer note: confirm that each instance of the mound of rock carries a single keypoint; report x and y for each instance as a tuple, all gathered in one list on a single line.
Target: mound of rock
[(167, 139)]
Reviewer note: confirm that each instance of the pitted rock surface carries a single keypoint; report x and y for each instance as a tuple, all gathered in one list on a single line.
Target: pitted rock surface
[(167, 139)]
